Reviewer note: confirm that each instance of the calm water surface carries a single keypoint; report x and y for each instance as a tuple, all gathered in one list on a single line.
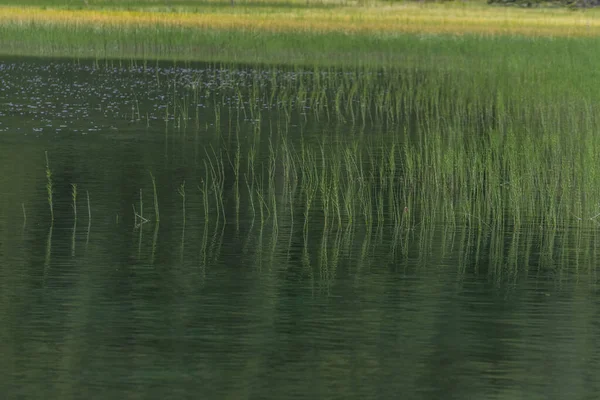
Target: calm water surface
[(213, 309)]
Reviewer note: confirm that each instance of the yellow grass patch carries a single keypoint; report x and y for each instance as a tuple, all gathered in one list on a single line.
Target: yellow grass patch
[(411, 18)]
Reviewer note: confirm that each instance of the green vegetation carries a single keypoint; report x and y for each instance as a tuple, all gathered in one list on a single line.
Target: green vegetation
[(356, 190), (74, 198), (476, 133), (156, 211), (49, 188), (375, 35), (458, 147)]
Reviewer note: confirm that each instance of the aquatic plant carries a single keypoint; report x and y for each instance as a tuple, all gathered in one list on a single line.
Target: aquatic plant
[(156, 212), (139, 218), (89, 208), (49, 188), (74, 200), (74, 206)]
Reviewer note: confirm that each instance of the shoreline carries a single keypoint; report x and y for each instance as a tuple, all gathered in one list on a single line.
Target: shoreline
[(303, 36), (411, 18)]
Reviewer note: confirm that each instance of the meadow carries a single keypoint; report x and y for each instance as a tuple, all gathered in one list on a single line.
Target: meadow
[(371, 33)]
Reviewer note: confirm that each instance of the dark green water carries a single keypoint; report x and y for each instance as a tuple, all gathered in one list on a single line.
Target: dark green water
[(235, 307)]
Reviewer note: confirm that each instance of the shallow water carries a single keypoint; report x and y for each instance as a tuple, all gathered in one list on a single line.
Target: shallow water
[(237, 307)]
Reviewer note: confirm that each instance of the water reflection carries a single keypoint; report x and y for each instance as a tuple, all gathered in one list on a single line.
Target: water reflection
[(444, 312)]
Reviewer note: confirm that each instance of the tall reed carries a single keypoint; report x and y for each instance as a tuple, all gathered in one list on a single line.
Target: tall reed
[(74, 200), (156, 211), (49, 188)]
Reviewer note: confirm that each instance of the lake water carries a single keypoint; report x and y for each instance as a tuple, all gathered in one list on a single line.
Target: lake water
[(258, 297)]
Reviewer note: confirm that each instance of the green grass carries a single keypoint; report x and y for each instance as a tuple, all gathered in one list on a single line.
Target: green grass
[(331, 49), (156, 210), (409, 35)]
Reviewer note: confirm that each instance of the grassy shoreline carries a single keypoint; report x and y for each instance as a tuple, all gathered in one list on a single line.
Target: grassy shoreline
[(453, 18), (376, 34)]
